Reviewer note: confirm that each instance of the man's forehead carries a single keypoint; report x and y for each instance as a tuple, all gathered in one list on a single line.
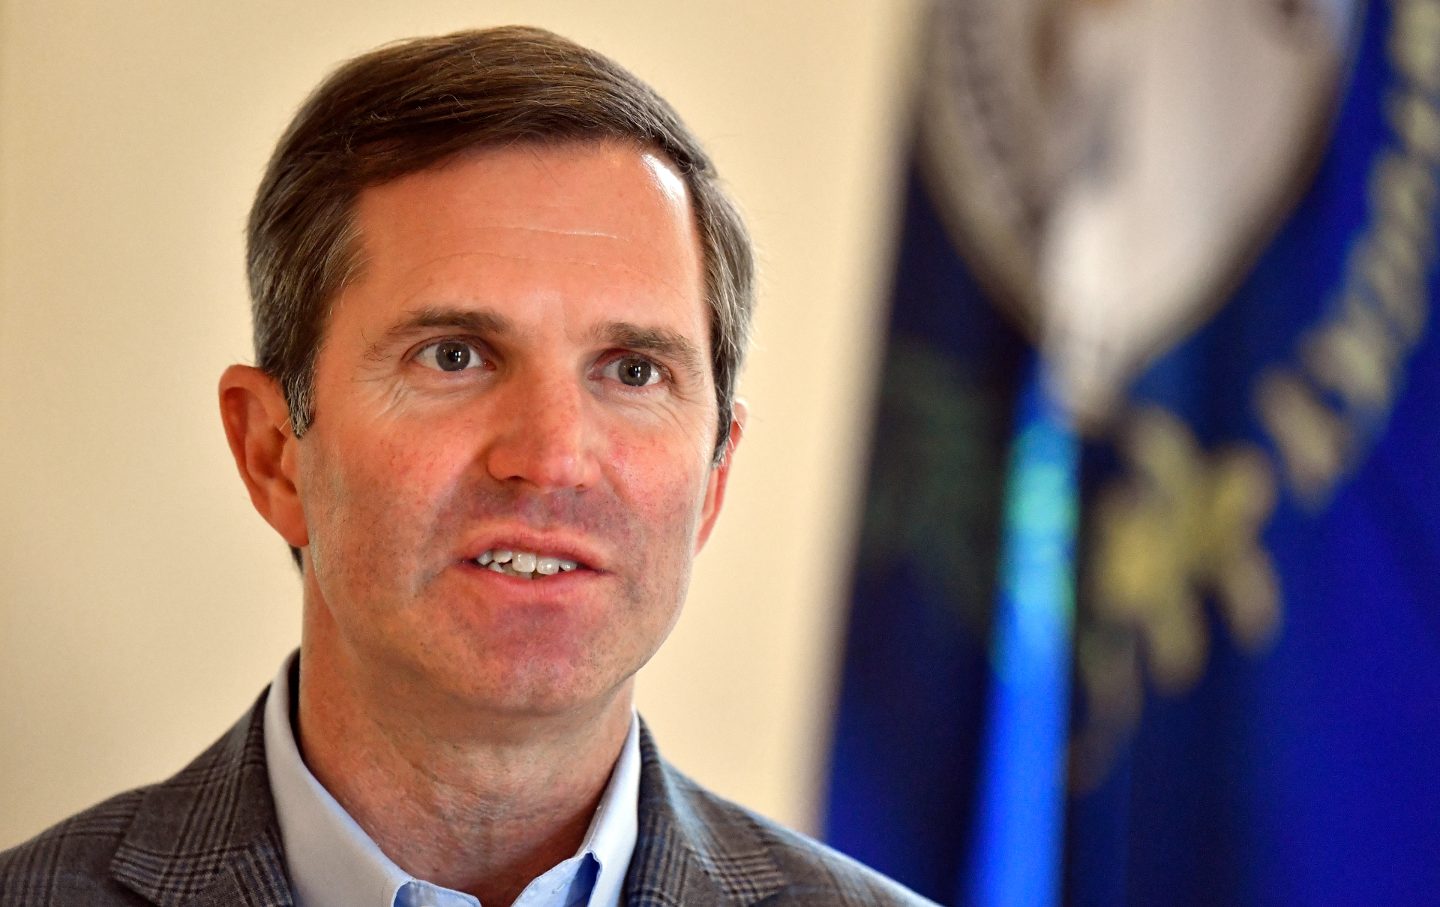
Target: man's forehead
[(554, 168), (498, 227), (606, 191)]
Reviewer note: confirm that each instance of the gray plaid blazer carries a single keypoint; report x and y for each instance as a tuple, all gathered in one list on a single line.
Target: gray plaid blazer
[(208, 837)]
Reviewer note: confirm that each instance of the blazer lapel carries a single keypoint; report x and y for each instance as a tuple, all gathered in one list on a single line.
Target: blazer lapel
[(208, 836), (691, 850)]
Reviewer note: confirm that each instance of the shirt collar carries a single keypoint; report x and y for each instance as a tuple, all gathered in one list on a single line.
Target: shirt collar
[(334, 863)]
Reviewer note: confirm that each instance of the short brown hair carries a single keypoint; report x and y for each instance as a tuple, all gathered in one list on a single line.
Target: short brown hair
[(415, 104)]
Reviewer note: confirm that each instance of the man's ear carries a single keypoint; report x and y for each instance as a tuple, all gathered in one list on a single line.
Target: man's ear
[(720, 474), (257, 425)]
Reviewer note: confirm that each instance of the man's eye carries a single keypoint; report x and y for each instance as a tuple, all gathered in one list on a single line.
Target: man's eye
[(633, 371), (449, 356)]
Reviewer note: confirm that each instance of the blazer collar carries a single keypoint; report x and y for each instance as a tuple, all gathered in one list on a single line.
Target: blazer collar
[(693, 849), (208, 836)]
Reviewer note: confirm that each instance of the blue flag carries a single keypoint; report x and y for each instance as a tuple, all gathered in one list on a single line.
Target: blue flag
[(1255, 702), (1262, 537)]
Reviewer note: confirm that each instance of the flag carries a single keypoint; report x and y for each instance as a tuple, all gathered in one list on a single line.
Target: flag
[(1263, 530), (1256, 625)]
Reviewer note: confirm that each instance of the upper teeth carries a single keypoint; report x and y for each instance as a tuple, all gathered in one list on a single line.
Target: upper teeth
[(523, 563)]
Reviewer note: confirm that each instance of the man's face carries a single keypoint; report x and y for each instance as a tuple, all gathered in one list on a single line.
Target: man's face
[(521, 366)]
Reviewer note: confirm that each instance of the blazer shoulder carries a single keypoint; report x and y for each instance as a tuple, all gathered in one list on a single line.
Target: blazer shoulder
[(164, 840), (69, 863), (814, 872)]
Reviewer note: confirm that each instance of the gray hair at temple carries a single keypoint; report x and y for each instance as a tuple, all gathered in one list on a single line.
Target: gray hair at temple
[(415, 104)]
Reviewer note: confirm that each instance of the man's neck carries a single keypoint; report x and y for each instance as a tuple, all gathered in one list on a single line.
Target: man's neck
[(479, 803)]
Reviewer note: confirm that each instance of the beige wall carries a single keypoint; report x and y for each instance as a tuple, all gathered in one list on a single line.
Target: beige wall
[(142, 602)]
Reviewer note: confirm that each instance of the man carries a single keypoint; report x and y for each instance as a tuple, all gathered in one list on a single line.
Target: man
[(500, 304)]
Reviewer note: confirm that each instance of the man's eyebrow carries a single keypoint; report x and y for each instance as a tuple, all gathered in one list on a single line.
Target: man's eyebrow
[(667, 343), (470, 321)]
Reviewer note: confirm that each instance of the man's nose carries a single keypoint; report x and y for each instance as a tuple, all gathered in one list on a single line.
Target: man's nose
[(544, 437)]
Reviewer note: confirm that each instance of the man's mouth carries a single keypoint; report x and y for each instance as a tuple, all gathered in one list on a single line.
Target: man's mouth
[(524, 563)]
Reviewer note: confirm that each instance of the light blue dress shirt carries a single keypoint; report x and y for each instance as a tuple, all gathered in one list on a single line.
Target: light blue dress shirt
[(334, 863)]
